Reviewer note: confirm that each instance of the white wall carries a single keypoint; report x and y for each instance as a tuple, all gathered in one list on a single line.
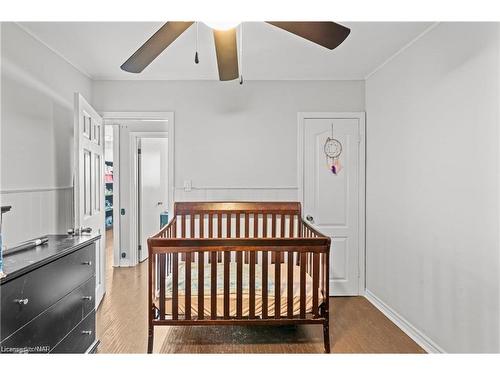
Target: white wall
[(432, 187), (232, 141), (36, 135)]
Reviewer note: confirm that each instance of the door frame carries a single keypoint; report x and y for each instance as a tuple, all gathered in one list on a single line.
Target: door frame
[(115, 118), (360, 116), (135, 222)]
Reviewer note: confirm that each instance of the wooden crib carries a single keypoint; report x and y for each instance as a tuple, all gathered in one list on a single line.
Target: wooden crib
[(243, 263)]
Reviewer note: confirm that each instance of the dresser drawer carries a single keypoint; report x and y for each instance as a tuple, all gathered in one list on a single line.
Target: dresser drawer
[(80, 339), (27, 296), (50, 327)]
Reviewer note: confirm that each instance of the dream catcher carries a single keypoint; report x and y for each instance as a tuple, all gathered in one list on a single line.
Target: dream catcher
[(333, 149)]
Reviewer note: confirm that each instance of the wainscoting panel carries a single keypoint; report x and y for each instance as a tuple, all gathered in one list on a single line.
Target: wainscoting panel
[(237, 194), (36, 212)]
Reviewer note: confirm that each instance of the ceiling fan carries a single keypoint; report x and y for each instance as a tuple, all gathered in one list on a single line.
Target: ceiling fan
[(327, 34)]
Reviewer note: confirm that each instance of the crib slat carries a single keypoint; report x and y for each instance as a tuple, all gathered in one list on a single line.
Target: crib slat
[(187, 290), (303, 265), (282, 226), (175, 286), (191, 228), (264, 225), (315, 284), (210, 232), (277, 287), (219, 235), (201, 285), (238, 223), (183, 233), (239, 284), (210, 225), (251, 313), (290, 284), (218, 218), (183, 226), (202, 225), (264, 284), (247, 233), (227, 259), (282, 235), (162, 285), (213, 284), (255, 227), (191, 225), (291, 226), (228, 229), (273, 235), (299, 234)]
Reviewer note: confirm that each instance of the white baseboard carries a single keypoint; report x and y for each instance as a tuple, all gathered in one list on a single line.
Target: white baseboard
[(421, 339)]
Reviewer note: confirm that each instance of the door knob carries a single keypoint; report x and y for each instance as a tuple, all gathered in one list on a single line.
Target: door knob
[(310, 219)]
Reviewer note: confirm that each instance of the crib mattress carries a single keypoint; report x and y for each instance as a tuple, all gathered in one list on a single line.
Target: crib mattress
[(245, 290)]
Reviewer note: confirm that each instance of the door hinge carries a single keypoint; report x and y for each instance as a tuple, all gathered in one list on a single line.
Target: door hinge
[(140, 247), (139, 151)]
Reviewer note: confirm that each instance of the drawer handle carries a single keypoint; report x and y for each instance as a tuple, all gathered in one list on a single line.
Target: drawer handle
[(23, 301), (86, 333), (87, 263), (87, 298)]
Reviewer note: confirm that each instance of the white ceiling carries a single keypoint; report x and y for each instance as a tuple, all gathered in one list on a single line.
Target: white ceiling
[(99, 48)]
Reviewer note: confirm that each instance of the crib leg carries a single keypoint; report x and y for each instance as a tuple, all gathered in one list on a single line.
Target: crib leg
[(326, 335), (151, 336)]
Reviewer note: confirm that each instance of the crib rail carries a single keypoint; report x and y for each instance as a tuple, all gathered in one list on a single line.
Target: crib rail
[(267, 240)]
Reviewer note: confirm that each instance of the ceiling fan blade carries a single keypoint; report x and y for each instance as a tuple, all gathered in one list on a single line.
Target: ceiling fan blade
[(227, 54), (326, 34), (155, 45)]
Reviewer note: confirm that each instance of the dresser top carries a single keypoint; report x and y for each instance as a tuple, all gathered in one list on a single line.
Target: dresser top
[(19, 263)]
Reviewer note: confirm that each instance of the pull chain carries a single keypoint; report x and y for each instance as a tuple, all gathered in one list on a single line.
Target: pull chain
[(241, 53), (196, 59)]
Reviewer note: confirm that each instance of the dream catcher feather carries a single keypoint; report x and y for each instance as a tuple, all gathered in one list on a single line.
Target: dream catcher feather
[(333, 149)]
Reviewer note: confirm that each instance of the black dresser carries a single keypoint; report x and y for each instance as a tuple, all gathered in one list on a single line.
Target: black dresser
[(47, 298)]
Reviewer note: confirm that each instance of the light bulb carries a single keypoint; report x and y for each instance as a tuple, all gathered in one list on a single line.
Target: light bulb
[(223, 26)]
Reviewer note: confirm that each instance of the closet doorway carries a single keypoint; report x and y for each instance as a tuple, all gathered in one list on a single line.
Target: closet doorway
[(152, 188), (332, 191)]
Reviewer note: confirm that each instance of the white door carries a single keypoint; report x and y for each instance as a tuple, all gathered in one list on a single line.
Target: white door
[(89, 181), (153, 188), (331, 202)]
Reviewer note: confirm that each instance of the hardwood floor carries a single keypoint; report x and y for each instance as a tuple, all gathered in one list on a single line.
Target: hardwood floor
[(356, 326)]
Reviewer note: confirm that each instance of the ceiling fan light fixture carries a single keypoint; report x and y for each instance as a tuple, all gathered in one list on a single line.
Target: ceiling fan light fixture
[(222, 25)]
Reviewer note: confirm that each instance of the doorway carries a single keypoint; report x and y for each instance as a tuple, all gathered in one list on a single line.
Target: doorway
[(152, 192), (332, 191), (131, 227), (109, 190)]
